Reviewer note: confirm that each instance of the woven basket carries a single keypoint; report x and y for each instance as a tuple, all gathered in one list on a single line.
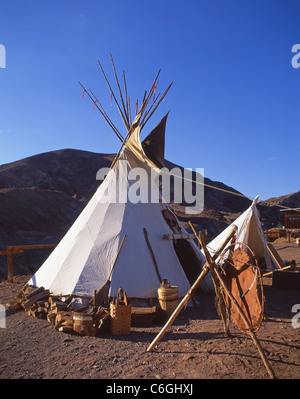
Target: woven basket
[(120, 315)]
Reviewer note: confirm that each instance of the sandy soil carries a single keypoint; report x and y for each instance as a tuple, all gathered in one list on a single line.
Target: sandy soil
[(194, 348)]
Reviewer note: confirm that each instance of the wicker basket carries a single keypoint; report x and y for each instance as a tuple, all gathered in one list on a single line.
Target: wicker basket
[(120, 315)]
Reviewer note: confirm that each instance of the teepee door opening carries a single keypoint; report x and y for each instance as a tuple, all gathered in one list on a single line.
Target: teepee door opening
[(190, 262)]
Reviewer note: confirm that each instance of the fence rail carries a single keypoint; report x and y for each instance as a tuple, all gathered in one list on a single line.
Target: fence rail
[(19, 249)]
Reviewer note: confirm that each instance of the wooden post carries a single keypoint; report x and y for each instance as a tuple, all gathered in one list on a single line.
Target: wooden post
[(198, 236), (152, 255), (187, 297), (238, 308), (10, 264), (216, 285), (249, 332), (18, 249)]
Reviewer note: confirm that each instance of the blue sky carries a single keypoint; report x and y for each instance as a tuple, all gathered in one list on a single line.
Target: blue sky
[(235, 96)]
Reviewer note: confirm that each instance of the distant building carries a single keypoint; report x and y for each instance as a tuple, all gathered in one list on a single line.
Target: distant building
[(292, 221)]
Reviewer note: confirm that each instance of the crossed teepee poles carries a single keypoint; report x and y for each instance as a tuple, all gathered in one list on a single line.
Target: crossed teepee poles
[(142, 115)]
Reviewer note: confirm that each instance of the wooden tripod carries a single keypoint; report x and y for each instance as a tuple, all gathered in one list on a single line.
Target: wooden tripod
[(210, 266)]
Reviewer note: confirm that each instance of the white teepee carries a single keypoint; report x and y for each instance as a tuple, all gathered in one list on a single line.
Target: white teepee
[(89, 254), (249, 231)]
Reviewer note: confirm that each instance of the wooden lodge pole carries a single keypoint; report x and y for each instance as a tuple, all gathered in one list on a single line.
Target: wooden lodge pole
[(214, 270), (211, 263), (188, 295)]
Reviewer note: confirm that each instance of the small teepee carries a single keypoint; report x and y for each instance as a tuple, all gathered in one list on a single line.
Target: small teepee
[(249, 232), (120, 243)]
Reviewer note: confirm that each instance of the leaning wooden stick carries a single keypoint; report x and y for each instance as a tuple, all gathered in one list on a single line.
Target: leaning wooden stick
[(103, 113), (152, 254), (119, 152), (188, 295), (114, 97), (120, 91), (161, 99), (126, 99), (221, 304), (238, 308), (251, 333)]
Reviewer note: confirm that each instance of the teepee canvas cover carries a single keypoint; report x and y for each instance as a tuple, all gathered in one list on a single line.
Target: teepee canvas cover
[(83, 260), (249, 231)]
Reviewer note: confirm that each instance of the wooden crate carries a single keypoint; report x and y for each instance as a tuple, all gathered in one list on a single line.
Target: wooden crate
[(286, 279)]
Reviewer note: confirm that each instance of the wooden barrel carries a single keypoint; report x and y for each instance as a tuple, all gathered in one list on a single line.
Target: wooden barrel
[(168, 299), (83, 323)]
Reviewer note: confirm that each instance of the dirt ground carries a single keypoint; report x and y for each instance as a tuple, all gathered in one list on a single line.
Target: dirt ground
[(194, 348)]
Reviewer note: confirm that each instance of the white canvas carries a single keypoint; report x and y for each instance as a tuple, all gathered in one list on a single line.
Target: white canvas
[(83, 260), (249, 231)]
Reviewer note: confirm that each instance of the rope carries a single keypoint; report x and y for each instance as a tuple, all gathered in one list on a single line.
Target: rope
[(254, 267), (229, 192), (255, 277)]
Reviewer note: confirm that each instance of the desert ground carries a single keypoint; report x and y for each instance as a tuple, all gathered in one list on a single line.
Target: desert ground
[(194, 348)]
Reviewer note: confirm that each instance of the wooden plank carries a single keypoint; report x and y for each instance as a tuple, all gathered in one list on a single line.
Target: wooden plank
[(35, 298), (287, 279), (143, 310), (178, 236), (15, 251), (275, 255), (37, 246), (34, 292)]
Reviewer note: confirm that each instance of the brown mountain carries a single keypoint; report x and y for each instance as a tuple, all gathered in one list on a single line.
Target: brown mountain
[(271, 210), (41, 196)]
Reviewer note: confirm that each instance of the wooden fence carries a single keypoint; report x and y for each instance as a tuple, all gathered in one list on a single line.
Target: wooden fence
[(19, 249)]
